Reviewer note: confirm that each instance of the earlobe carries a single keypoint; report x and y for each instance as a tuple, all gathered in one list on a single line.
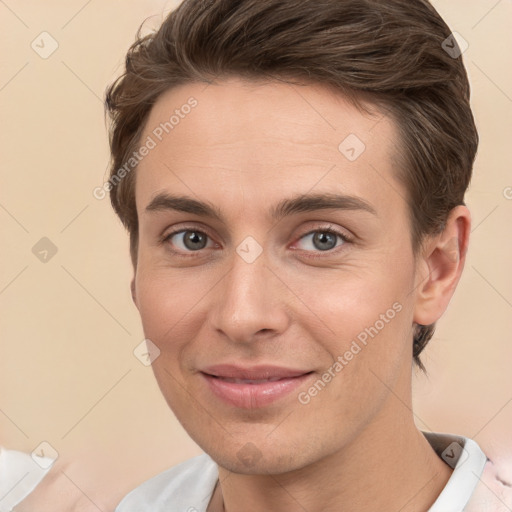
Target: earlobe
[(440, 266)]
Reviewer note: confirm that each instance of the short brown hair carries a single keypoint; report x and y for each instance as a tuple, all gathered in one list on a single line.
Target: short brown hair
[(391, 52)]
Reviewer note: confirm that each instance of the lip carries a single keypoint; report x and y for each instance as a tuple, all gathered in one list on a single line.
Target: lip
[(259, 372), (227, 383)]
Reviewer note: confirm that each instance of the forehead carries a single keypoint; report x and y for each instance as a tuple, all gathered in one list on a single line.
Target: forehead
[(263, 137)]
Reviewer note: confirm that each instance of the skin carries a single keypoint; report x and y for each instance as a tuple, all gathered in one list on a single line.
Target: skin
[(245, 147)]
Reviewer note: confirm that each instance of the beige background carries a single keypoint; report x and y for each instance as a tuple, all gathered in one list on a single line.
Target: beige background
[(68, 375)]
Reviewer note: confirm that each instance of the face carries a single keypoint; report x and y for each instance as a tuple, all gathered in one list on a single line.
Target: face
[(275, 270)]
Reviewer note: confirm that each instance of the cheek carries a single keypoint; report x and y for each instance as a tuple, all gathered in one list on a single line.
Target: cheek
[(348, 302), (166, 303), (366, 323)]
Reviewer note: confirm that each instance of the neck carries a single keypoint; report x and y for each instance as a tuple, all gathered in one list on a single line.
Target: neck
[(389, 466)]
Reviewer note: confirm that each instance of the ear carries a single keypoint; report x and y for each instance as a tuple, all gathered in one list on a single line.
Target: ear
[(440, 266), (134, 293)]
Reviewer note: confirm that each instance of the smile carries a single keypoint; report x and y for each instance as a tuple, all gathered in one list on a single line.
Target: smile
[(267, 385)]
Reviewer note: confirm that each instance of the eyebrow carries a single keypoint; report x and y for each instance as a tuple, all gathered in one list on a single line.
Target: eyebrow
[(293, 205)]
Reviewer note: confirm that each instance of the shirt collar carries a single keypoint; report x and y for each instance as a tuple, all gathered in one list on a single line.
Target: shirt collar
[(467, 460)]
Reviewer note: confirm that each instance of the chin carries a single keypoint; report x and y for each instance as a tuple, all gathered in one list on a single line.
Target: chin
[(249, 460)]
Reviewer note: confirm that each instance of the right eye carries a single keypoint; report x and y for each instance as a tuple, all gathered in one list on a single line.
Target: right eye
[(187, 240)]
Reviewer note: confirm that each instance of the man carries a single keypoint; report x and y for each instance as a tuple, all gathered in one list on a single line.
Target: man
[(292, 176)]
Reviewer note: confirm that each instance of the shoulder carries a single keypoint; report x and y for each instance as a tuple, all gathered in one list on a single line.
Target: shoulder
[(187, 486), (479, 482), (494, 490)]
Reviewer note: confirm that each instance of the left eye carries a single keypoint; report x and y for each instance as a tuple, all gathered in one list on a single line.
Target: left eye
[(322, 240)]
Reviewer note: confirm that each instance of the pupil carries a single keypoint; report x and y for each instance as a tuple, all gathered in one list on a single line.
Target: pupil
[(320, 239), (193, 239)]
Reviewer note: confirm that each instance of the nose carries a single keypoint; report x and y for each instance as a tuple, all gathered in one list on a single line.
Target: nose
[(250, 302)]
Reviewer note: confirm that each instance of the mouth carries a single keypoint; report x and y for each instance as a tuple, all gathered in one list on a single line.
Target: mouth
[(251, 388), (248, 381)]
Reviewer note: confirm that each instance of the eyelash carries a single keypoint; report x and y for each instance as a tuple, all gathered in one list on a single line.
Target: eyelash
[(345, 238)]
